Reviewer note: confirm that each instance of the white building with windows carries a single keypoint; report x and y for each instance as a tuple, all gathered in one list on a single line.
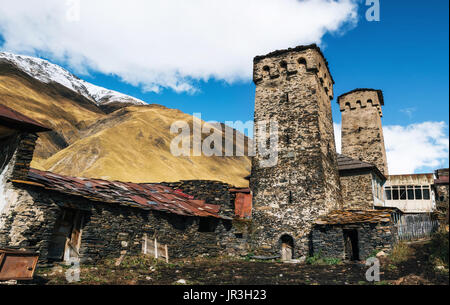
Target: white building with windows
[(411, 194)]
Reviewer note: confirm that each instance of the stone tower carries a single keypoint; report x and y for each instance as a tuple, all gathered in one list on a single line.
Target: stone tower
[(362, 133), (293, 88)]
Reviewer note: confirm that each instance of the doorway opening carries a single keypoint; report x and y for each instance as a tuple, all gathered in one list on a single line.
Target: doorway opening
[(351, 246), (66, 239), (287, 247)]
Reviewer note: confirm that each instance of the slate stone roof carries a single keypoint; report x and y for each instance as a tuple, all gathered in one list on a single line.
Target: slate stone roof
[(14, 119), (345, 163), (355, 216), (147, 196)]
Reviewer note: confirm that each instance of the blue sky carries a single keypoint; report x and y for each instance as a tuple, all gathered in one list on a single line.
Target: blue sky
[(405, 54)]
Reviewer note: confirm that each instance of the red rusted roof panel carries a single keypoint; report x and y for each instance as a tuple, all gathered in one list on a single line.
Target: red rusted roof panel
[(146, 196)]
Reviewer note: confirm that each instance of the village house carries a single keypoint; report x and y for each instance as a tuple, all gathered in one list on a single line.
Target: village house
[(67, 218)]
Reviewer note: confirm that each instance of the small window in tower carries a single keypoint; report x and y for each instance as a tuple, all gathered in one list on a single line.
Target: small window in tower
[(283, 64), (358, 103), (302, 61), (347, 106), (370, 102), (290, 197), (288, 138)]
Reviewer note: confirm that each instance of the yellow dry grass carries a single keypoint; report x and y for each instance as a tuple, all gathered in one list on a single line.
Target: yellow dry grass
[(137, 148), (131, 144)]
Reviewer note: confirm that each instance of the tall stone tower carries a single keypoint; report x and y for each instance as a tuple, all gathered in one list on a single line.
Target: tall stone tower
[(362, 133), (293, 88)]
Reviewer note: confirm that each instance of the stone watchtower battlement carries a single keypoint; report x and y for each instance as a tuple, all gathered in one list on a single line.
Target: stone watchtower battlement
[(362, 132), (293, 88)]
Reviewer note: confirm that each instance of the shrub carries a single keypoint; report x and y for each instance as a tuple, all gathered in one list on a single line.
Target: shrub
[(439, 248), (400, 253)]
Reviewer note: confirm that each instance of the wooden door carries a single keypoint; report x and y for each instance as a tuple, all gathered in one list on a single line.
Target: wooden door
[(66, 238), (286, 252)]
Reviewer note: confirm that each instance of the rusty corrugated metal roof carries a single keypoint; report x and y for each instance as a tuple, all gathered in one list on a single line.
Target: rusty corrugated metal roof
[(13, 119), (147, 196), (355, 216)]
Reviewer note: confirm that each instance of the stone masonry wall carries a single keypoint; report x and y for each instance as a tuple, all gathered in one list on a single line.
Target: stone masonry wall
[(213, 192), (328, 240), (442, 202), (357, 190), (17, 150), (362, 133), (293, 88)]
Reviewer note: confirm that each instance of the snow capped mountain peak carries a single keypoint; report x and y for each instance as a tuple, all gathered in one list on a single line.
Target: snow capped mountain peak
[(47, 72)]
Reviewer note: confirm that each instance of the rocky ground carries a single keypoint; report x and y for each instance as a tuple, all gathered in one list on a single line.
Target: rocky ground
[(408, 265)]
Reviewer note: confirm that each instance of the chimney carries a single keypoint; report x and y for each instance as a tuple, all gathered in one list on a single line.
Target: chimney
[(18, 136)]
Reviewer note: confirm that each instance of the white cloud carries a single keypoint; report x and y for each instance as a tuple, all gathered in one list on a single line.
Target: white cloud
[(337, 136), (168, 44), (416, 146), (412, 148)]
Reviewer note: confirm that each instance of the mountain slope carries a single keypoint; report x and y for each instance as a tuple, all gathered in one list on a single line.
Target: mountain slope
[(55, 106), (50, 73), (133, 144), (128, 144)]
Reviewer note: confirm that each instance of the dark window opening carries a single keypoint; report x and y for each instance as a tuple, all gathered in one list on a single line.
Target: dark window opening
[(207, 225), (395, 194), (426, 194), (351, 247), (410, 193), (239, 235), (418, 192), (402, 193), (290, 197), (302, 61), (287, 137)]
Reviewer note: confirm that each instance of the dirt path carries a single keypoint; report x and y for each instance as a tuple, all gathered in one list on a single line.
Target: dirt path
[(416, 269)]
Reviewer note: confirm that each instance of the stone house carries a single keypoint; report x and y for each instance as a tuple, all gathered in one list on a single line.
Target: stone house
[(66, 218), (361, 184), (354, 234)]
